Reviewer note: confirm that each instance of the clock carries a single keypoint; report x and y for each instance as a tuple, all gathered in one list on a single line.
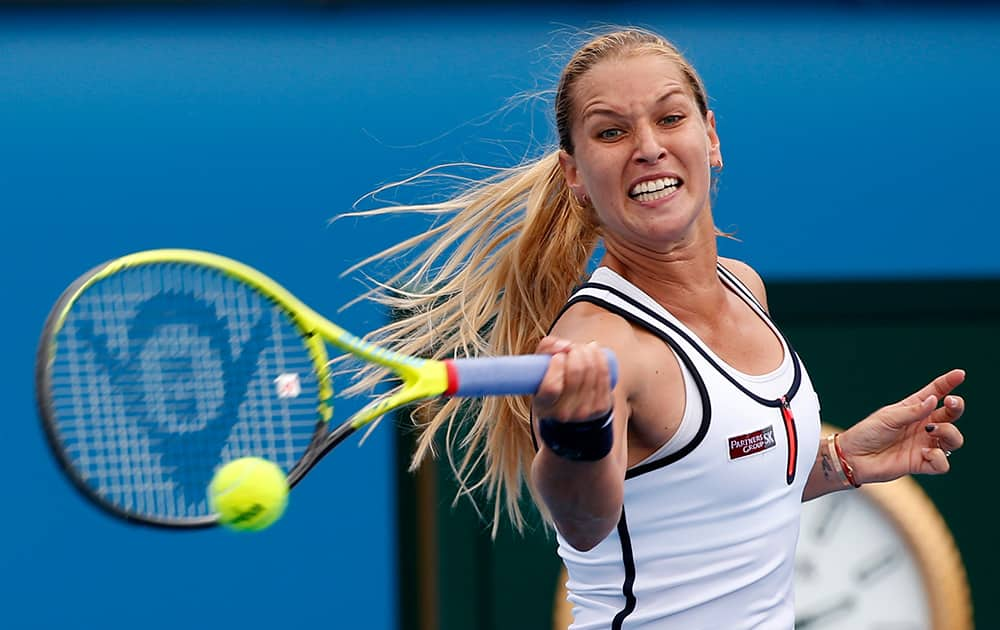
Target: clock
[(877, 558)]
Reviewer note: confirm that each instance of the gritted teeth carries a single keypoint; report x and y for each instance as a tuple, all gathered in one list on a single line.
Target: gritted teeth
[(654, 188)]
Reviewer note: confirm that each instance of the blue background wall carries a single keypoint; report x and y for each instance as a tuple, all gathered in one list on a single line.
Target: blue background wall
[(858, 141)]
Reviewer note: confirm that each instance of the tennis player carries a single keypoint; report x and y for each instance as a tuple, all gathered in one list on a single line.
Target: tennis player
[(675, 496)]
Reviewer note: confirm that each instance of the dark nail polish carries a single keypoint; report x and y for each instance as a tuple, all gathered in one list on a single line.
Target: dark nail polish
[(930, 428)]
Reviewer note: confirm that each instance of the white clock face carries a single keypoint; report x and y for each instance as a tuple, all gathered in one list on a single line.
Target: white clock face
[(854, 570)]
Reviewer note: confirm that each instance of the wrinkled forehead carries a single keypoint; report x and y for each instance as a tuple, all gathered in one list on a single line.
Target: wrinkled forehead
[(628, 81)]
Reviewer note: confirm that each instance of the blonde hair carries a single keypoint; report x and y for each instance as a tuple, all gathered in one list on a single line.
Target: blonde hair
[(489, 279)]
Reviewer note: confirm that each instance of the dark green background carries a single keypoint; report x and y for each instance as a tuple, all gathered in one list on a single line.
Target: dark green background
[(865, 344)]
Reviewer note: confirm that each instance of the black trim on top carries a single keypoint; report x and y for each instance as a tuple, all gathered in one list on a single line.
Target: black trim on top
[(706, 403), (788, 419), (740, 286), (628, 562), (767, 402), (791, 433)]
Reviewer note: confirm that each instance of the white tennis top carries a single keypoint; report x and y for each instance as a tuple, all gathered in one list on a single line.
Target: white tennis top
[(707, 535)]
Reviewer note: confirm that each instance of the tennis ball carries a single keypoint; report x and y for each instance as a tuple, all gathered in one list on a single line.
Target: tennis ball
[(248, 494)]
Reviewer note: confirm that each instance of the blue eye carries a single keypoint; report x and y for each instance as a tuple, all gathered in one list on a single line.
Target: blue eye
[(609, 134), (672, 119)]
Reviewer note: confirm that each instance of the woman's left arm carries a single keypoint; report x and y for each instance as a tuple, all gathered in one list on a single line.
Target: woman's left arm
[(913, 436)]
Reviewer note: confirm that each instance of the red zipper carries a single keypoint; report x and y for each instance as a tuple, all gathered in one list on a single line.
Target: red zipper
[(793, 439)]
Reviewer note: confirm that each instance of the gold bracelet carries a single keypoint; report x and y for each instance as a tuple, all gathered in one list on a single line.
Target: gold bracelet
[(848, 469), (831, 447)]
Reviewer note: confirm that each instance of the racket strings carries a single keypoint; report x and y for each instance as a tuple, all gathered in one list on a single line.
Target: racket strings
[(166, 371)]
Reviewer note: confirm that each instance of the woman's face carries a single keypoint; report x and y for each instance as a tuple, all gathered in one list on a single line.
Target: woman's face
[(642, 151)]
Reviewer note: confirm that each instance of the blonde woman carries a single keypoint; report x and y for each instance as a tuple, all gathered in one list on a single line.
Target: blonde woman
[(675, 495)]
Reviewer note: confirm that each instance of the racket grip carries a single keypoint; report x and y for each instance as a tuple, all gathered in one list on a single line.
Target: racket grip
[(502, 376)]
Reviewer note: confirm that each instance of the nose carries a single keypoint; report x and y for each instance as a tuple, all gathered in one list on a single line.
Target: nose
[(648, 147)]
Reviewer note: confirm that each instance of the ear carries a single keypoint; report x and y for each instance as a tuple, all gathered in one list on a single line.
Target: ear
[(571, 174), (714, 145)]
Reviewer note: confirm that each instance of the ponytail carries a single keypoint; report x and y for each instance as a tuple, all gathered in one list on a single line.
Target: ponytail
[(488, 280)]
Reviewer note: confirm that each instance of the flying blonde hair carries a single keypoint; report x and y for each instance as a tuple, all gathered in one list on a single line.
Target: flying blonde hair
[(489, 278)]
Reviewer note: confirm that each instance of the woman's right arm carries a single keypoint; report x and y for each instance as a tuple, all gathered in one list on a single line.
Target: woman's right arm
[(582, 494)]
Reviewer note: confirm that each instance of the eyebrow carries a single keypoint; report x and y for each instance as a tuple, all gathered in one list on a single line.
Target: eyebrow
[(607, 111)]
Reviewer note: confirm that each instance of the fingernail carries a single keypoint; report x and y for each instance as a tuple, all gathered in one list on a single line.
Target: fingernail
[(926, 452), (951, 401), (930, 427)]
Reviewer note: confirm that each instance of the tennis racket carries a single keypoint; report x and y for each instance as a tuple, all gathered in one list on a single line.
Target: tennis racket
[(156, 368)]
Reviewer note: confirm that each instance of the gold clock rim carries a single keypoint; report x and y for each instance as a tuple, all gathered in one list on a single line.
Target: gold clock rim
[(924, 529)]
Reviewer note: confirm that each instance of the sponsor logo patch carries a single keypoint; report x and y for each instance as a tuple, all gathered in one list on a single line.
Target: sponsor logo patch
[(751, 443)]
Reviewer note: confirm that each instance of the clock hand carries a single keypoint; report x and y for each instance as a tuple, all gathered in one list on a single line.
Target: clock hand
[(840, 606), (882, 562)]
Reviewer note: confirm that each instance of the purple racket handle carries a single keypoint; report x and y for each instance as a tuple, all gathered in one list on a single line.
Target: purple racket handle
[(501, 376)]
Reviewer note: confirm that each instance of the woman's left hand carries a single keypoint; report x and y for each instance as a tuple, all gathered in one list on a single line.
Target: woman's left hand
[(912, 436)]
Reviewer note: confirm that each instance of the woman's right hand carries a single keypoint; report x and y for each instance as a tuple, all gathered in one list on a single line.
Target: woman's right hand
[(577, 384)]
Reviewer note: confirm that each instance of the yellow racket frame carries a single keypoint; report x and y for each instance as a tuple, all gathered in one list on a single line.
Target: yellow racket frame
[(422, 378)]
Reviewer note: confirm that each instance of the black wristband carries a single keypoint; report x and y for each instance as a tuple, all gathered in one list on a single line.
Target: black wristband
[(586, 441)]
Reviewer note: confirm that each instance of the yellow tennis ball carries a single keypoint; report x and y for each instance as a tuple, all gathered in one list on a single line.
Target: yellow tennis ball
[(248, 494)]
